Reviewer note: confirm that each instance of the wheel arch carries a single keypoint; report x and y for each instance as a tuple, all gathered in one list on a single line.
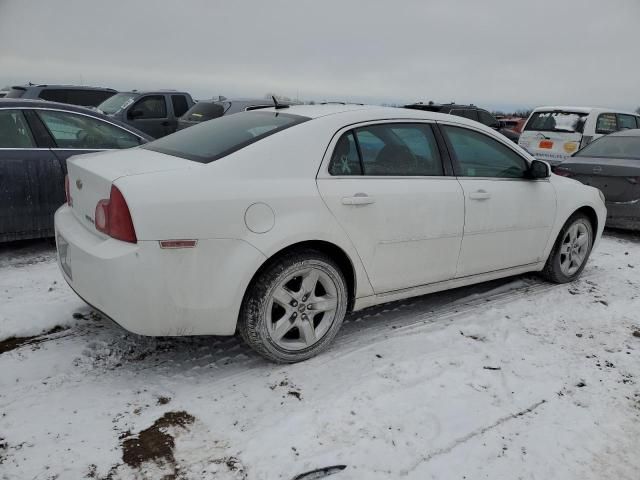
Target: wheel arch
[(591, 215), (330, 249)]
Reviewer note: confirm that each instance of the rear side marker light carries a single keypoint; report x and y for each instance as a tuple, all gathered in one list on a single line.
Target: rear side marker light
[(178, 243)]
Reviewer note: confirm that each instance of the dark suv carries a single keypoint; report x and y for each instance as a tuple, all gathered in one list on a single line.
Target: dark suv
[(71, 94), (154, 112), (467, 111)]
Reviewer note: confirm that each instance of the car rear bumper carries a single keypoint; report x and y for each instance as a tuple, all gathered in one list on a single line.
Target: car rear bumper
[(153, 291), (624, 215)]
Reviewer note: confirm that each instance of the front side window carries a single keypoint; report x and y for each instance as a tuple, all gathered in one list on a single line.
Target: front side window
[(151, 106), (74, 131), (557, 121), (479, 155), (394, 149), (612, 147), (626, 122), (14, 131), (209, 141), (606, 123)]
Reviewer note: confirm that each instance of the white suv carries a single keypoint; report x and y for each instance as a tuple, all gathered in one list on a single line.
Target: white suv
[(555, 133)]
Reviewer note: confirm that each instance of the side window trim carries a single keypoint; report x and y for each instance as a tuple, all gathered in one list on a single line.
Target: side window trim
[(457, 169)]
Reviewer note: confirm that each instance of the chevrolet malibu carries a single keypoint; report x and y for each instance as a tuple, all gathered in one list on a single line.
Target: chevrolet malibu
[(277, 222)]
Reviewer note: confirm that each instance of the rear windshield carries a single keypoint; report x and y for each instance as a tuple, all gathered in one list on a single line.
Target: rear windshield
[(202, 111), (116, 103), (16, 92), (217, 138), (557, 121), (612, 147)]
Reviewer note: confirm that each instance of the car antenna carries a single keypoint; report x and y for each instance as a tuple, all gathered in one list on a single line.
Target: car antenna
[(277, 105)]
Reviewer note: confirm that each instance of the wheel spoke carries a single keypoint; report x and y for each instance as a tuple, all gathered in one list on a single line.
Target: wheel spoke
[(281, 328), (582, 240), (309, 281), (284, 297), (565, 249), (307, 332), (324, 304)]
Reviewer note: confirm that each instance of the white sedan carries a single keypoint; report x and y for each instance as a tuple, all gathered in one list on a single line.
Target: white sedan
[(277, 222)]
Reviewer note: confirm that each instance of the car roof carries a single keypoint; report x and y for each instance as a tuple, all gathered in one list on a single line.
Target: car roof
[(362, 113), (64, 87), (28, 103), (581, 109)]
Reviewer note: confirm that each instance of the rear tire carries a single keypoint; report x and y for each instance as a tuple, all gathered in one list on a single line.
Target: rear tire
[(571, 250), (294, 308)]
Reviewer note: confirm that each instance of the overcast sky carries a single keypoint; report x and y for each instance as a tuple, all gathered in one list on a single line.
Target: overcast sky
[(494, 53)]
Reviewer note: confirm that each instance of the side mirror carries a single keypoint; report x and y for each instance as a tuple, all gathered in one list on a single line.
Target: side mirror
[(135, 114), (539, 169)]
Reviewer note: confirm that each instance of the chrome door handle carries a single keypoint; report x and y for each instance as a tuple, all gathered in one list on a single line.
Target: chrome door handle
[(480, 195), (358, 199)]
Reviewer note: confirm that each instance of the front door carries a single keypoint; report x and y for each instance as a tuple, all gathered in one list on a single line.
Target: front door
[(508, 217), (151, 115), (386, 186)]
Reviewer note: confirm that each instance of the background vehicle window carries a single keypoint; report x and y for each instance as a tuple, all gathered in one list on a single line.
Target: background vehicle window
[(401, 149), (612, 147), (54, 95), (202, 111), (557, 121), (180, 105), (345, 159), (466, 113), (81, 132), (151, 106), (487, 118), (88, 98), (478, 155), (606, 123), (626, 122), (14, 131), (16, 92)]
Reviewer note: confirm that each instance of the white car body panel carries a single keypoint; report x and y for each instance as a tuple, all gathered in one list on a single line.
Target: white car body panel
[(195, 291)]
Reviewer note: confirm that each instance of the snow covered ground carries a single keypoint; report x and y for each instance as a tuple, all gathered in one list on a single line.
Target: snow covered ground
[(515, 379)]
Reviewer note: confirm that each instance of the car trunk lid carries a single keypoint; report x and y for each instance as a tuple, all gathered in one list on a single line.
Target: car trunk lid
[(618, 179), (91, 176)]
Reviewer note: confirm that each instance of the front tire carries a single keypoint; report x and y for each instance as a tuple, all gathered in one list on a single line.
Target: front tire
[(294, 308), (571, 250)]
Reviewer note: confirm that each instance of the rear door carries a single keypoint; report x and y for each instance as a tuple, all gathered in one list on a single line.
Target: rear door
[(150, 114), (387, 186), (31, 179)]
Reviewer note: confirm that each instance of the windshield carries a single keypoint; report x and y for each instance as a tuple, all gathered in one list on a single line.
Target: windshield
[(557, 121), (209, 141), (612, 147), (116, 103)]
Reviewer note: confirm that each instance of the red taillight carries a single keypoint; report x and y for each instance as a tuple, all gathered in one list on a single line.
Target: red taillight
[(67, 193), (113, 217)]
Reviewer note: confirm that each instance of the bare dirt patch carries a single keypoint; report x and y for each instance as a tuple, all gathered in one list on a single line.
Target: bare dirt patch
[(155, 443), (12, 343)]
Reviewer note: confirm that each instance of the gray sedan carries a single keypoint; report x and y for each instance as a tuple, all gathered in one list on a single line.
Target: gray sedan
[(612, 164)]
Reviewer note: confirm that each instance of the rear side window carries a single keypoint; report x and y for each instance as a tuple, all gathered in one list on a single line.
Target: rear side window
[(14, 131), (180, 105), (395, 149), (54, 95), (88, 98), (557, 121), (74, 131), (626, 122), (151, 106), (479, 155), (606, 123), (222, 136), (345, 159)]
